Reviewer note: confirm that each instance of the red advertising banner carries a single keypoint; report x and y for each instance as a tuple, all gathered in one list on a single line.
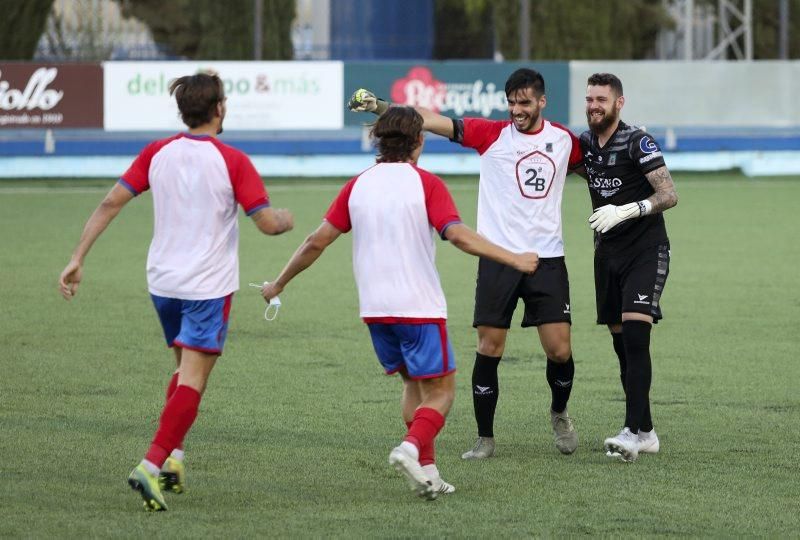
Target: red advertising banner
[(51, 95)]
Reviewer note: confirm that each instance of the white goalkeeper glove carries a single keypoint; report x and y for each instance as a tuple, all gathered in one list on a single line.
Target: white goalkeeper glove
[(363, 100), (609, 216)]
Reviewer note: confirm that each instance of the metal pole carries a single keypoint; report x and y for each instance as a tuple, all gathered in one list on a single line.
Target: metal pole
[(688, 31), (524, 29), (783, 30), (258, 25)]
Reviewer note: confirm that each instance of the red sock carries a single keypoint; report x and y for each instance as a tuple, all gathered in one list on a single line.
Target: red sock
[(171, 387), (427, 454), (173, 384), (176, 419), (426, 425)]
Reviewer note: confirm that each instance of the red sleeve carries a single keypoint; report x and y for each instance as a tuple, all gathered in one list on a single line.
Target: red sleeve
[(248, 187), (442, 211), (575, 154), (480, 133), (137, 178), (338, 214)]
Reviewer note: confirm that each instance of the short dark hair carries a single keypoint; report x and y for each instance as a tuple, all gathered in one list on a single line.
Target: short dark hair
[(397, 134), (197, 96), (606, 79), (525, 78)]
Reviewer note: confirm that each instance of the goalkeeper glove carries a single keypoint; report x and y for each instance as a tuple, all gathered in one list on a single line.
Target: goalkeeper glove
[(363, 100), (609, 216)]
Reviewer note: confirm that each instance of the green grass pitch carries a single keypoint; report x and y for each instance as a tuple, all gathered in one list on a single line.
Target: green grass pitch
[(296, 427)]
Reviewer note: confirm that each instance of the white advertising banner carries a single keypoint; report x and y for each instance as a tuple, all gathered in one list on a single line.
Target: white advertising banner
[(261, 95)]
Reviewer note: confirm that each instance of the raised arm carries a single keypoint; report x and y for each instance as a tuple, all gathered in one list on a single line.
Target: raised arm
[(308, 252), (471, 242), (363, 100), (108, 209)]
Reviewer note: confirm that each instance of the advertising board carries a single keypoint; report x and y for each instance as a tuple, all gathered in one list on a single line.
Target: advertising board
[(51, 95), (261, 95)]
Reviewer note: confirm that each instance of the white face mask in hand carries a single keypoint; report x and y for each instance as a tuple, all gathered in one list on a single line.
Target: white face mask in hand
[(274, 302)]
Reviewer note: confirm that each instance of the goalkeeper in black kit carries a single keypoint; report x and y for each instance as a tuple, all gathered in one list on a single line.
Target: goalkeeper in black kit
[(630, 188)]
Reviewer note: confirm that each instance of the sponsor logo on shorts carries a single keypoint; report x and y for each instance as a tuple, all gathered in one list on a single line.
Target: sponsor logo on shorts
[(642, 299), (566, 309)]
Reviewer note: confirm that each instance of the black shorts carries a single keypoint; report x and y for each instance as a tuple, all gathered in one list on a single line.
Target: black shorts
[(499, 287), (630, 283)]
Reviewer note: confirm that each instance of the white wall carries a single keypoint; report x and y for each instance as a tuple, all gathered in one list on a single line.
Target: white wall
[(674, 94)]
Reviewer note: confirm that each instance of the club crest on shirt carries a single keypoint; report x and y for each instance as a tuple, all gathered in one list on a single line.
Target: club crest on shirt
[(535, 173), (548, 147), (612, 158)]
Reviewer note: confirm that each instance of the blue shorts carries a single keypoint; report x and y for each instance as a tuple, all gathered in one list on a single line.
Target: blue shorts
[(423, 349), (199, 325)]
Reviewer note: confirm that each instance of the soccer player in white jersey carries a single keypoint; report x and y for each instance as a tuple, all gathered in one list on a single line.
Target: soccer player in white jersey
[(192, 265), (523, 165), (393, 209)]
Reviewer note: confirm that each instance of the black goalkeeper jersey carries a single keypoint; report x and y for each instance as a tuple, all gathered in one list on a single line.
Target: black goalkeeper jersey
[(617, 176)]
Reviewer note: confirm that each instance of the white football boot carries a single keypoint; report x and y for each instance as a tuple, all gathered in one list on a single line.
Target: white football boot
[(648, 442), (624, 446), (408, 465), (439, 485)]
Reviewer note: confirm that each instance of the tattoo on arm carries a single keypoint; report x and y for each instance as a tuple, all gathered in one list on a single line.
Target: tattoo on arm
[(665, 196)]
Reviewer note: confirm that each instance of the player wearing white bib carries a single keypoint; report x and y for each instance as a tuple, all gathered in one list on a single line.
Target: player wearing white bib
[(197, 184), (392, 210), (524, 162)]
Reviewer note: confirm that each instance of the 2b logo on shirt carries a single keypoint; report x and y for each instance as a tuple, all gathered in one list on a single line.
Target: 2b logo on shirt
[(535, 173)]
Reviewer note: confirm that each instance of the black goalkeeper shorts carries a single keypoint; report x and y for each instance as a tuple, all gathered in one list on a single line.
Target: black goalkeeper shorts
[(630, 283)]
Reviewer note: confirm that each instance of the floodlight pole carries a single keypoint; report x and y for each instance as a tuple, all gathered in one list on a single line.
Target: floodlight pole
[(258, 24), (783, 30)]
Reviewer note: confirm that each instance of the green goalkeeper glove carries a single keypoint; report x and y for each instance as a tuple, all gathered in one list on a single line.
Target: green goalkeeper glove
[(363, 100)]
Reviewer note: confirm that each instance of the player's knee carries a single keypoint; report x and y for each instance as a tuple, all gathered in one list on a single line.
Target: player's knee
[(560, 354), (491, 347)]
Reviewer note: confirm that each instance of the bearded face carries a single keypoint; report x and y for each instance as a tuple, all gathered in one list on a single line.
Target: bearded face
[(602, 108)]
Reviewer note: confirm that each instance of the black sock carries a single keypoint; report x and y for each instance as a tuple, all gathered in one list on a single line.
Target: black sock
[(636, 335), (559, 377), (619, 348), (485, 392)]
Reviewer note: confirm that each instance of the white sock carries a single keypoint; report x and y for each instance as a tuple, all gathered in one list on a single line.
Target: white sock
[(151, 467), (177, 454), (410, 448), (431, 471)]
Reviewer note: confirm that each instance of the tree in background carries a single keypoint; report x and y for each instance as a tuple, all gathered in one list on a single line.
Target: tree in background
[(214, 30), (766, 22), (21, 24), (463, 29), (582, 29)]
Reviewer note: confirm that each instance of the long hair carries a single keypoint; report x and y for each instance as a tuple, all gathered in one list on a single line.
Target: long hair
[(397, 134), (197, 96)]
